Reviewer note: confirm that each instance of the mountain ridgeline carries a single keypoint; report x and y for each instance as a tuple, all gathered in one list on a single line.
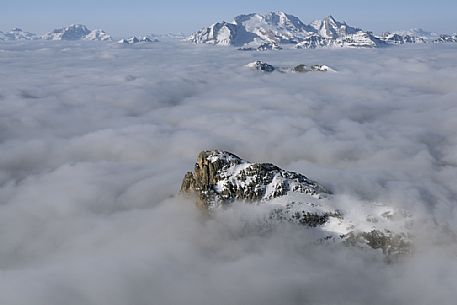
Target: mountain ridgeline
[(277, 30), (261, 32)]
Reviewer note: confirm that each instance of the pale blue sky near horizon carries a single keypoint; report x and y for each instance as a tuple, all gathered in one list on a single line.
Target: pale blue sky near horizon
[(121, 18)]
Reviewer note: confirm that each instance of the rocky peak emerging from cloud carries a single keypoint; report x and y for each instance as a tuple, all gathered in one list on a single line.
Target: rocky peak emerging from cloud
[(77, 32), (221, 179)]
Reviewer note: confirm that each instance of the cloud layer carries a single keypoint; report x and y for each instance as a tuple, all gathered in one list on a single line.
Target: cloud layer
[(95, 138)]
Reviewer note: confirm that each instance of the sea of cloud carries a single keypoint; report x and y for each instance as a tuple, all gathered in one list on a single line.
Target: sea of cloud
[(95, 139)]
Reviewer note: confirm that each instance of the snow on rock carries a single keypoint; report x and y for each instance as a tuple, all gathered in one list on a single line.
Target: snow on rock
[(395, 38), (446, 39), (220, 33), (331, 29), (17, 34), (221, 179), (301, 68), (419, 33), (99, 35), (417, 36), (72, 32), (77, 32), (134, 40), (268, 46), (264, 32), (261, 66), (322, 68)]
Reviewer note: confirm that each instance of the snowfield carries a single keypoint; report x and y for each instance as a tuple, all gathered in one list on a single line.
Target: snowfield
[(95, 138)]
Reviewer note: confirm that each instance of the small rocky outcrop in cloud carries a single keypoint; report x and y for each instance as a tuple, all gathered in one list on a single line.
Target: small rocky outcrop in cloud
[(77, 32), (301, 68), (261, 66), (221, 179), (313, 68)]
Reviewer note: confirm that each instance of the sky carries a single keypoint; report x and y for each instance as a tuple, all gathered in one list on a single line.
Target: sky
[(144, 17)]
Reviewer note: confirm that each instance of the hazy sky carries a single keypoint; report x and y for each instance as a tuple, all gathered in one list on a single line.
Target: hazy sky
[(143, 17)]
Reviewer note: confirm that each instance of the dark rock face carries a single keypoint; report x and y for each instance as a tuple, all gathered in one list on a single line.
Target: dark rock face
[(289, 213), (314, 68), (224, 177), (390, 243), (301, 68), (264, 66)]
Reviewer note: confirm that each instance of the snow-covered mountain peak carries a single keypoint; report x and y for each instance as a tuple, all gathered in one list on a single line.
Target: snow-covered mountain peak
[(17, 34), (71, 32), (279, 28), (330, 28), (77, 32), (98, 35), (278, 23)]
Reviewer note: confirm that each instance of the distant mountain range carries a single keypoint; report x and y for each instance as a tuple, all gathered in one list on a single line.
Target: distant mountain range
[(134, 40), (272, 31), (72, 32), (277, 30)]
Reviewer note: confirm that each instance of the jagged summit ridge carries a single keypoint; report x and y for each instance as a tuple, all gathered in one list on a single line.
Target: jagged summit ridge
[(77, 32), (222, 177), (329, 28), (253, 30), (278, 30)]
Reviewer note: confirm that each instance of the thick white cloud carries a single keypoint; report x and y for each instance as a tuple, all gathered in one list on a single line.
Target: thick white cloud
[(95, 138)]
